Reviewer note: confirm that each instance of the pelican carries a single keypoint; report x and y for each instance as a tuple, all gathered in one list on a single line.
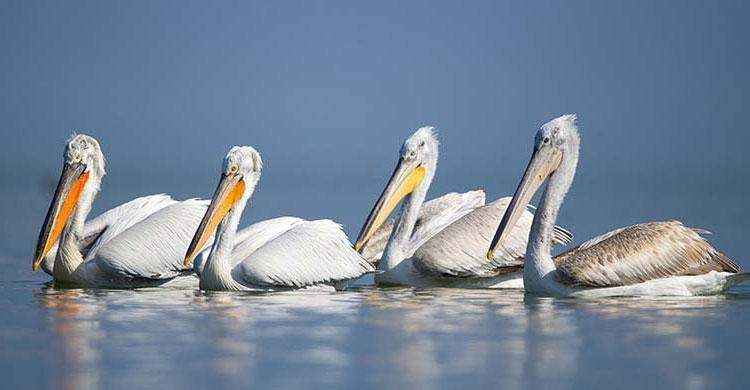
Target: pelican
[(137, 244), (447, 249), (443, 211), (279, 254), (654, 258)]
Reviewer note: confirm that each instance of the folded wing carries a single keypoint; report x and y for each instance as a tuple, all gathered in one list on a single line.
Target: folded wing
[(642, 252), (107, 225), (155, 246), (310, 253), (434, 216), (460, 249), (249, 239)]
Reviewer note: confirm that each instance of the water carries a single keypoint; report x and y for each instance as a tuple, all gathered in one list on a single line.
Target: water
[(368, 337), (372, 337)]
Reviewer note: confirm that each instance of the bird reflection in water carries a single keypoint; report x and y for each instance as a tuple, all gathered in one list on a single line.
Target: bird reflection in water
[(74, 324), (390, 337), (274, 334)]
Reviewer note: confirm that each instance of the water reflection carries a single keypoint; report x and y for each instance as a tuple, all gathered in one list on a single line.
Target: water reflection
[(382, 338), (75, 328)]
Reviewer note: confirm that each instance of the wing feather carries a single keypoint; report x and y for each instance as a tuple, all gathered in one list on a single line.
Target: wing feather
[(249, 239), (460, 249), (154, 247), (310, 253), (101, 229), (434, 215), (641, 252)]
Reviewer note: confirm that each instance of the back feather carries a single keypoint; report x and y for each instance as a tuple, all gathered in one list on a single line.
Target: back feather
[(433, 217), (310, 253), (154, 247), (639, 253)]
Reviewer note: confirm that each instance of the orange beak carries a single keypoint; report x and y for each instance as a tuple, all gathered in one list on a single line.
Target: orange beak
[(72, 181), (230, 190)]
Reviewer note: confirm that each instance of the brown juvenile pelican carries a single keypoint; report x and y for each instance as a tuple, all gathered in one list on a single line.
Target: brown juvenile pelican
[(137, 244), (278, 254), (654, 258), (446, 249)]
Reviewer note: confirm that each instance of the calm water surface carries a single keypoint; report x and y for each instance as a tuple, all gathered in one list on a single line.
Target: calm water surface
[(378, 338), (433, 338)]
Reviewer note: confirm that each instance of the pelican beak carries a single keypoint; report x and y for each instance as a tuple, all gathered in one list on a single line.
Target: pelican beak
[(544, 161), (405, 178), (72, 181), (230, 190)]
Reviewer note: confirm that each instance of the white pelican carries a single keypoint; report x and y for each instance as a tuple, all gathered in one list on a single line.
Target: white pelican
[(137, 244), (441, 211), (448, 249), (654, 258), (279, 254)]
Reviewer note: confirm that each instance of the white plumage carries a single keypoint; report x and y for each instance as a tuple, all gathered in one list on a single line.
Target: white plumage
[(161, 238), (249, 239), (459, 249), (654, 258), (444, 246), (137, 244), (109, 224), (434, 216), (278, 254), (310, 253)]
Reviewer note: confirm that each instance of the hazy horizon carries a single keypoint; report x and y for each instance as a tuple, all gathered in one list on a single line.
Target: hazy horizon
[(327, 91)]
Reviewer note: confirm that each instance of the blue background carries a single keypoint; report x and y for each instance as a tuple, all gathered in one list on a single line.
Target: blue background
[(327, 91)]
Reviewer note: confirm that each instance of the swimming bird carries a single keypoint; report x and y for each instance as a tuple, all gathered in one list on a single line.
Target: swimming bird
[(447, 249), (440, 211), (653, 258), (279, 254), (137, 244)]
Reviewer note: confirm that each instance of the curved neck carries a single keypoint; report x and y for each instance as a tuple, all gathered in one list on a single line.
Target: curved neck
[(69, 256), (539, 260), (217, 272), (398, 246)]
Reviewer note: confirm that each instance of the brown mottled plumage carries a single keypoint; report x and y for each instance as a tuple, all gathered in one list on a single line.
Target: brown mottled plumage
[(639, 253)]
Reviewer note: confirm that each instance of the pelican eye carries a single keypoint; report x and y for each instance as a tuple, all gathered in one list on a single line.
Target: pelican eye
[(233, 168), (546, 140)]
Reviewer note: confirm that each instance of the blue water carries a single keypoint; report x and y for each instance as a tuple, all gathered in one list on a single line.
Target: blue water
[(379, 338), (368, 337)]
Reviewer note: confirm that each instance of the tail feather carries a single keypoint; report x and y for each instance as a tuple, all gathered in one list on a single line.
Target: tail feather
[(737, 278)]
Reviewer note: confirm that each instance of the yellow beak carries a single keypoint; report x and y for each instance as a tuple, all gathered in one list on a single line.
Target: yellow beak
[(230, 190), (405, 179)]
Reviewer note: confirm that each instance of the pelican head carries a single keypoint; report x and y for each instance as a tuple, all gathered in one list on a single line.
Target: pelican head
[(555, 143), (241, 167), (83, 168), (417, 158)]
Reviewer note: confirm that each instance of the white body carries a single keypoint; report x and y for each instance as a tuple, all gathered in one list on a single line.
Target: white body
[(445, 247), (278, 254), (138, 244)]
